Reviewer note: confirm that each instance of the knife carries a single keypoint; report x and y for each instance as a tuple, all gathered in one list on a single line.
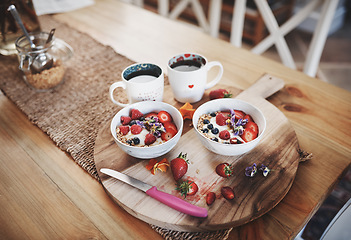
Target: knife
[(167, 199)]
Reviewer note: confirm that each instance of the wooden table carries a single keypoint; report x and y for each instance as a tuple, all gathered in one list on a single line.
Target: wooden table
[(45, 195)]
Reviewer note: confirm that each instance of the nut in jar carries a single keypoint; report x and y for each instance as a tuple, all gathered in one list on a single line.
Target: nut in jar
[(43, 66)]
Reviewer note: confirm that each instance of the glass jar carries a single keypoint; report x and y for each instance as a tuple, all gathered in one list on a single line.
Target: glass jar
[(43, 67), (9, 30)]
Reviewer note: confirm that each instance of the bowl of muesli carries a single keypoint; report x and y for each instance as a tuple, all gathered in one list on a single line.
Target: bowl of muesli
[(147, 129), (229, 126)]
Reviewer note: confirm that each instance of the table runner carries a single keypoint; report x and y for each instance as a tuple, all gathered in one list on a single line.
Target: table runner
[(72, 113)]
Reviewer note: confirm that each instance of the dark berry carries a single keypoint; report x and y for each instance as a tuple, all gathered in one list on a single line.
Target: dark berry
[(206, 121), (142, 118), (133, 122), (212, 114), (129, 141), (136, 140), (215, 131), (214, 139), (205, 130), (210, 126)]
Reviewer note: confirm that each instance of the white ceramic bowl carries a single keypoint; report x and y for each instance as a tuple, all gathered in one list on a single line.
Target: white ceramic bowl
[(226, 104), (146, 107)]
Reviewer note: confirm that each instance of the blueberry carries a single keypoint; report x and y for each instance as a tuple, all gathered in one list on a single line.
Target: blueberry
[(133, 122), (212, 114), (136, 140), (210, 126), (205, 130), (206, 121), (215, 131), (214, 139), (142, 118), (129, 141)]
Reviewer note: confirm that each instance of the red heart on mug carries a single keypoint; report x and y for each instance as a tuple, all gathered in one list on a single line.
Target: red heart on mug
[(190, 86)]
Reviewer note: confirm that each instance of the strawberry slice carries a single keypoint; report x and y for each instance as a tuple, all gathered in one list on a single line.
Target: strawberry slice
[(227, 193), (136, 114), (165, 136), (135, 129), (151, 114), (170, 126), (149, 139), (239, 114), (221, 119), (164, 116), (253, 126), (125, 120), (248, 117), (124, 129), (248, 135), (210, 198)]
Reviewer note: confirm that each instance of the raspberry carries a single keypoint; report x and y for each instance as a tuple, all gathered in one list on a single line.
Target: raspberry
[(125, 120), (149, 139), (221, 119), (124, 129), (225, 135), (136, 114), (135, 129)]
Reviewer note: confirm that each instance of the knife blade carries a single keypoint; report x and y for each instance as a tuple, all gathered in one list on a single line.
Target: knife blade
[(167, 199)]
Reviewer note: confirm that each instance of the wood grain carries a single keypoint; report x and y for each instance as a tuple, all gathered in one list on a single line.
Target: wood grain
[(254, 196)]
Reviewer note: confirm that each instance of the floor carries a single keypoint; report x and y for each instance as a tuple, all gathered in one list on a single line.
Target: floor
[(334, 68)]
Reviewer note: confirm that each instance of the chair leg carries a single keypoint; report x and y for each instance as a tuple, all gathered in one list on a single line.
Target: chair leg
[(237, 27), (163, 7)]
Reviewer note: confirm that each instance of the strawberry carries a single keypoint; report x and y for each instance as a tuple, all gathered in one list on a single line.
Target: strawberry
[(224, 134), (187, 188), (149, 139), (125, 120), (219, 93), (179, 166), (221, 119), (224, 170), (239, 114), (135, 129), (248, 117), (164, 116), (227, 193), (152, 114), (253, 126), (248, 135), (210, 198), (169, 126), (165, 136), (135, 114), (124, 129)]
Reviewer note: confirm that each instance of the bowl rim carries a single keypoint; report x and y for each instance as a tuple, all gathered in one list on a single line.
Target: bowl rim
[(180, 129), (259, 136)]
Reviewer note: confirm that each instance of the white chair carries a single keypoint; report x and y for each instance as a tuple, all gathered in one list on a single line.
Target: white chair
[(277, 33)]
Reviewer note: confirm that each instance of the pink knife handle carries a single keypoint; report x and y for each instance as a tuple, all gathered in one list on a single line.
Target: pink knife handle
[(177, 203)]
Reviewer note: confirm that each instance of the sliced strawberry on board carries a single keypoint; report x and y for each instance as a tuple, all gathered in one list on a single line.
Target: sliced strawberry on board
[(248, 135), (149, 139), (187, 188), (135, 129), (239, 114), (164, 116), (224, 170), (124, 129), (253, 126), (135, 114), (221, 119), (125, 120)]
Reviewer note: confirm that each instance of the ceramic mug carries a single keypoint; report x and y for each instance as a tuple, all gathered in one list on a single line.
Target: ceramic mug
[(187, 74), (142, 82)]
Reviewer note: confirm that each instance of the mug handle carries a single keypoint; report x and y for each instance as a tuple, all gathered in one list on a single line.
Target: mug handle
[(112, 88), (219, 75)]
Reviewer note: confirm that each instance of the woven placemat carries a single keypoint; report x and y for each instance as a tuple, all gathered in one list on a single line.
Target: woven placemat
[(72, 113)]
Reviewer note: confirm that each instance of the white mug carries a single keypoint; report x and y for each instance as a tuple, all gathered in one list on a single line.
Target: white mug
[(187, 74), (142, 82)]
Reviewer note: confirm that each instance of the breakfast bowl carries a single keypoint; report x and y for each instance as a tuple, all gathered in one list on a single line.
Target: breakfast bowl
[(228, 148), (154, 150)]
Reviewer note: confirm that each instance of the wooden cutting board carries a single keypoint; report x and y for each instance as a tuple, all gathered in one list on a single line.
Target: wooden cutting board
[(254, 196)]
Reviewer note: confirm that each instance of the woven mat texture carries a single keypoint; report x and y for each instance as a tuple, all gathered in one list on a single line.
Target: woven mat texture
[(72, 113)]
